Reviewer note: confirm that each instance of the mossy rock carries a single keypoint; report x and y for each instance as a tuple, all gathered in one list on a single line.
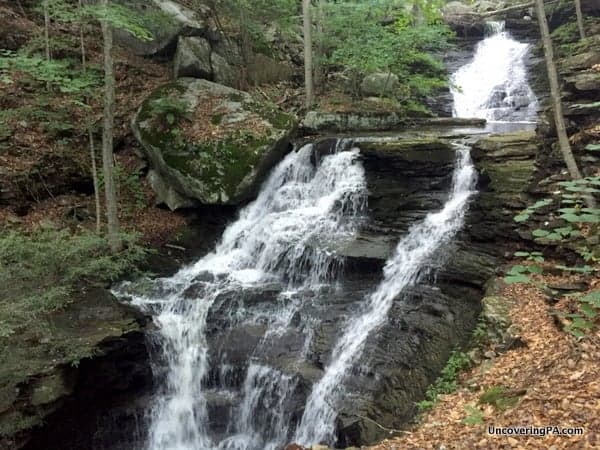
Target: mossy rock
[(210, 143)]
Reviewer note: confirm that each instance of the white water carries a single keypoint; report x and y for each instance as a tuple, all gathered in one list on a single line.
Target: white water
[(494, 84), (286, 236), (402, 270)]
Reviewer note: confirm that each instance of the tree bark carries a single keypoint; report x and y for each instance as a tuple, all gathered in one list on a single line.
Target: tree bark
[(579, 19), (107, 137), (561, 131), (308, 62)]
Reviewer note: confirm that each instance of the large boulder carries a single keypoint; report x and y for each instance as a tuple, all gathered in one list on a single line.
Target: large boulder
[(380, 84), (209, 143), (169, 21), (193, 58)]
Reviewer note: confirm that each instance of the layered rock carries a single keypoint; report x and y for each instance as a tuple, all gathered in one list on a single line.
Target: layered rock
[(209, 143), (39, 376)]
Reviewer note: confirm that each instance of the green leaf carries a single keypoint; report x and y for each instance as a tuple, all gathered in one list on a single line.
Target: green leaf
[(571, 217), (589, 218), (593, 147), (521, 217), (554, 237), (511, 279), (522, 254), (588, 310), (541, 203), (517, 269), (593, 298), (568, 210), (540, 233)]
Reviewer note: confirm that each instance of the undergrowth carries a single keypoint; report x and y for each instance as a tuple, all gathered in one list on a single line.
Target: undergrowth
[(41, 271)]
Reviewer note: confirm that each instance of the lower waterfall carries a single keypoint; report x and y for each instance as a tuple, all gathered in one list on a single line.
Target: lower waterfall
[(283, 242)]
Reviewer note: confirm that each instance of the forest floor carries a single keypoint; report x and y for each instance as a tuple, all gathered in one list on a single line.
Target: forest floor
[(552, 378)]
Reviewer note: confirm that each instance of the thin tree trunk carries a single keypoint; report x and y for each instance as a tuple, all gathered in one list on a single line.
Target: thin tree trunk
[(319, 79), (91, 134), (308, 63), (107, 137), (579, 19), (82, 38), (95, 178), (563, 140), (47, 35)]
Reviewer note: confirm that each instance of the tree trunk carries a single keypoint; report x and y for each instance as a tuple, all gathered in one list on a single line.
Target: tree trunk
[(107, 137), (90, 133), (81, 38), (563, 140), (319, 78), (579, 19), (47, 35), (95, 179), (308, 63)]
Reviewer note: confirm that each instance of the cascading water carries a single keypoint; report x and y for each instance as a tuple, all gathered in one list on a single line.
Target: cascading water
[(402, 270), (494, 84), (284, 239)]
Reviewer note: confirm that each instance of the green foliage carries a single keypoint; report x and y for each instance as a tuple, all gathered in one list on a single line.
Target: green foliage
[(527, 212), (64, 75), (584, 319), (531, 256), (169, 111), (121, 17), (357, 41), (447, 382), (41, 271), (499, 397), (474, 416), (520, 274)]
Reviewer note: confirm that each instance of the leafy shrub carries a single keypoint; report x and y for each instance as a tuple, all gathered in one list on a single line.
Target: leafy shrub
[(41, 271), (447, 382)]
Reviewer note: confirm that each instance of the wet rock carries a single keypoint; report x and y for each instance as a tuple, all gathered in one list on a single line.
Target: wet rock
[(224, 156)]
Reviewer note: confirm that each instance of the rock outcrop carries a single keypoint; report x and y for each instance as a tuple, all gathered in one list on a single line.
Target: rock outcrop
[(170, 21), (39, 376), (209, 143)]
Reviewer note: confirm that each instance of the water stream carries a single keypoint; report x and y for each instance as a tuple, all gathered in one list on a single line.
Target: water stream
[(272, 275), (494, 84)]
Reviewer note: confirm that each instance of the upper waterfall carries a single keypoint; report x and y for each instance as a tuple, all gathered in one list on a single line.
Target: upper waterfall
[(494, 84)]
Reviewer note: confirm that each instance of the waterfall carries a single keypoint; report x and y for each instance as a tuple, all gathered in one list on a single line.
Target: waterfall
[(401, 270), (286, 238), (494, 85)]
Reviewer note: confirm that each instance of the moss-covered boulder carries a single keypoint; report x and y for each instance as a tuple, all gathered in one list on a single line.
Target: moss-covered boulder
[(209, 143)]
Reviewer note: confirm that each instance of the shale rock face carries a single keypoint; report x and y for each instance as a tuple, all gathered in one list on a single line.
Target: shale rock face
[(209, 143), (39, 376)]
